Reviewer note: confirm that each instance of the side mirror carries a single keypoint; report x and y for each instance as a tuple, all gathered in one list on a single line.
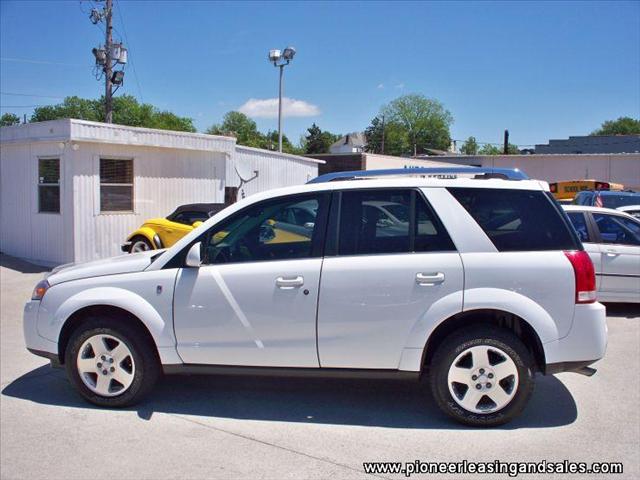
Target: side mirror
[(193, 256), (196, 224)]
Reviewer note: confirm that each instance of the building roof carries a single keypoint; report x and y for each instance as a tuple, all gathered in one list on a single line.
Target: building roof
[(354, 139), (73, 130)]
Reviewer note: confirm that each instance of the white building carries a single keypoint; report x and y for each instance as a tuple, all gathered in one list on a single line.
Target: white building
[(72, 190)]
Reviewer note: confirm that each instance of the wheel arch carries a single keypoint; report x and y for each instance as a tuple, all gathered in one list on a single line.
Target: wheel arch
[(113, 315), (490, 316), (148, 233)]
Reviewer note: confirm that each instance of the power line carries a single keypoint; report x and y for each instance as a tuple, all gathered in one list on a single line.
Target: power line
[(40, 62), (126, 37), (29, 95)]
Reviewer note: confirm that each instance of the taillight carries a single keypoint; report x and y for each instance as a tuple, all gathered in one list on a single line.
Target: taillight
[(602, 186), (584, 274), (553, 187)]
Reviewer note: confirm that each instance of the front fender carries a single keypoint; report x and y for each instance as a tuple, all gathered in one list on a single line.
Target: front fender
[(51, 319), (146, 232)]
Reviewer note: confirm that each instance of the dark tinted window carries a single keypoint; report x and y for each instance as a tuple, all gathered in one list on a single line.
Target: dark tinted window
[(616, 229), (265, 231), (580, 225), (380, 221), (517, 220), (612, 200), (188, 218), (49, 185)]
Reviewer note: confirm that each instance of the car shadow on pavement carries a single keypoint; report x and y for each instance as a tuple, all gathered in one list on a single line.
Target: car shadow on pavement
[(627, 310), (392, 404), (13, 263)]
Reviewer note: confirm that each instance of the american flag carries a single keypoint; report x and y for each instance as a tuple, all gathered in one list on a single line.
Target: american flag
[(598, 202)]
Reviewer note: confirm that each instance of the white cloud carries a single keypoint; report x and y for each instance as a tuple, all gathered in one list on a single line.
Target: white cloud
[(400, 86), (268, 108), (380, 86)]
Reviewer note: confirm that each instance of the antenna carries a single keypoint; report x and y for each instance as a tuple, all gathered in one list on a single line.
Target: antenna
[(246, 174)]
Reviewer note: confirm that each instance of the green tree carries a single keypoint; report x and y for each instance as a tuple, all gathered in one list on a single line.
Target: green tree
[(126, 111), (318, 141), (470, 146), (423, 121), (621, 126), (395, 138), (9, 119), (488, 149), (71, 107), (270, 142), (240, 126)]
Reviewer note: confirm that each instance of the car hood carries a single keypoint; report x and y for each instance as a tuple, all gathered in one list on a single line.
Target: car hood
[(129, 263)]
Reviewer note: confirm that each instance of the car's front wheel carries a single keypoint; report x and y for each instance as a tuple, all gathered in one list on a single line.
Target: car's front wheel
[(111, 364), (482, 376), (140, 244)]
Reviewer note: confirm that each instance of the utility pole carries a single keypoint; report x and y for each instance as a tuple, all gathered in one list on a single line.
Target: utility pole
[(108, 103), (506, 142), (382, 148)]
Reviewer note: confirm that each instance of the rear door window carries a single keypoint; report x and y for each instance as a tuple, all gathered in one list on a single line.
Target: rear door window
[(388, 221), (617, 229), (518, 220)]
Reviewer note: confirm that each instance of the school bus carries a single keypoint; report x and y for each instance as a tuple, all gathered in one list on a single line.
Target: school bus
[(569, 189)]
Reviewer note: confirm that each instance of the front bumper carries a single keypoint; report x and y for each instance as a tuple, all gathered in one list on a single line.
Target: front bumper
[(585, 343), (35, 343)]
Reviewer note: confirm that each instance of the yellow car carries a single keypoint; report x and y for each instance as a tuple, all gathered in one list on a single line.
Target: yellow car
[(164, 232)]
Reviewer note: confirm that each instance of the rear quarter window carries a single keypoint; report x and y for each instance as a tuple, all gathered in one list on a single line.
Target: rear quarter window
[(518, 220)]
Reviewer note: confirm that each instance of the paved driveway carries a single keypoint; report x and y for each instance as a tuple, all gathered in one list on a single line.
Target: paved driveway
[(224, 427)]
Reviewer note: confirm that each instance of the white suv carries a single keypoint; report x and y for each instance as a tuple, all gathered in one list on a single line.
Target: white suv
[(474, 284)]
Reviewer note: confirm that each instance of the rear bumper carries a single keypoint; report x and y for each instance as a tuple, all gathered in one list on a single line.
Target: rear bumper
[(585, 343)]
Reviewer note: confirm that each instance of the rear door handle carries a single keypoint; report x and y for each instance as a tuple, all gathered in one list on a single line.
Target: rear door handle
[(288, 283), (429, 279), (612, 253)]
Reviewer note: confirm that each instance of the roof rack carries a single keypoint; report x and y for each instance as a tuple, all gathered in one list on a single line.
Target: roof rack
[(446, 173)]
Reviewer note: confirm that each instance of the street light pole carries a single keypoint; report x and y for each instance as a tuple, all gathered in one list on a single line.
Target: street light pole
[(281, 59), (280, 110)]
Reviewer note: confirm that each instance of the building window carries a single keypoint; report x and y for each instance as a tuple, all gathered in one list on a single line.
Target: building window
[(116, 185), (49, 185)]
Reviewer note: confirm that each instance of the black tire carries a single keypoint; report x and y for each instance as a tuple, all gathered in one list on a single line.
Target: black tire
[(140, 238), (458, 342), (147, 366)]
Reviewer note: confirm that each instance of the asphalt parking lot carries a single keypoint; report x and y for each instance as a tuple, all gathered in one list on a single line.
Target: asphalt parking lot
[(230, 427)]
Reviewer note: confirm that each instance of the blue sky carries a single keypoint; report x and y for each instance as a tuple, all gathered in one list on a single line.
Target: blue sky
[(541, 69)]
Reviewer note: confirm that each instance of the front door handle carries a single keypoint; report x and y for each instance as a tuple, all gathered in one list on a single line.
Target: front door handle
[(288, 283), (429, 279), (612, 253)]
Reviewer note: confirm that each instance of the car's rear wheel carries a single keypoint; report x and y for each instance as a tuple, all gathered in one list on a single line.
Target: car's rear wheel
[(140, 244), (482, 376), (111, 364)]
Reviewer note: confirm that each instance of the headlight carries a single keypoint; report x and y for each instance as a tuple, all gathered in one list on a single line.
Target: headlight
[(40, 290)]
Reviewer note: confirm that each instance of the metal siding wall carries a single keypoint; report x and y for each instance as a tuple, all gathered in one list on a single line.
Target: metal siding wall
[(275, 171), (163, 179), (24, 232)]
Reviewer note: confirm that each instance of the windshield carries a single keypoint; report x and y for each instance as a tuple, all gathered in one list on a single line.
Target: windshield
[(615, 201)]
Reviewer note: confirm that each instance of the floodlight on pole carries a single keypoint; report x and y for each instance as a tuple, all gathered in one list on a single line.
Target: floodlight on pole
[(281, 59)]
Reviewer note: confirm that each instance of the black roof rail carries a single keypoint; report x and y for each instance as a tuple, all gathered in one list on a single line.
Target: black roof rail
[(480, 173)]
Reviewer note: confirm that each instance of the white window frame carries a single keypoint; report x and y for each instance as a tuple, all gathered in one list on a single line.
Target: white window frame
[(99, 210), (38, 184)]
